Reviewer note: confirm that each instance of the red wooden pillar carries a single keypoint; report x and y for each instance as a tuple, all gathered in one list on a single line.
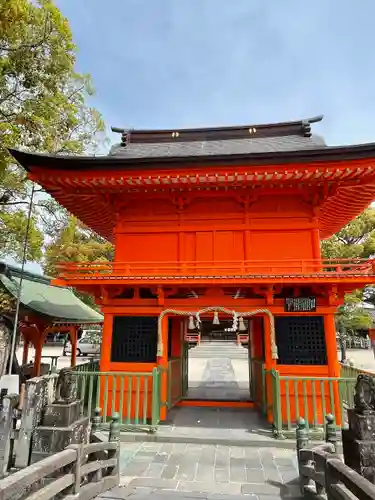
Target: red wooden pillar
[(256, 338), (39, 341), (269, 364), (73, 339), (371, 334), (105, 356), (25, 354), (176, 337), (163, 363), (334, 369)]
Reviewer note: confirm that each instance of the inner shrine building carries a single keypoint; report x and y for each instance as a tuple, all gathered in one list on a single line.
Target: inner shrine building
[(224, 222)]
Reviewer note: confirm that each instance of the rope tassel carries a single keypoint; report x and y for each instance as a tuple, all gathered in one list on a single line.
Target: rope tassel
[(242, 326), (191, 323), (216, 320)]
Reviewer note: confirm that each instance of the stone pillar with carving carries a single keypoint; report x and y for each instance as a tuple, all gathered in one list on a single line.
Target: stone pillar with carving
[(62, 423), (359, 439), (5, 335)]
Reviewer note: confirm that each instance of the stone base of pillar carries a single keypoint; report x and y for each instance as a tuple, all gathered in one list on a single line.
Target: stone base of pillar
[(359, 443)]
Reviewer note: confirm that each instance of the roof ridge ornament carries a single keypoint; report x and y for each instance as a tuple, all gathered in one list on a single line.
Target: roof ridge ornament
[(281, 129), (306, 128), (306, 124), (125, 135)]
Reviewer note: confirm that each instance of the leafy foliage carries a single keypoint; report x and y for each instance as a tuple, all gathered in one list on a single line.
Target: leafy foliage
[(74, 243), (356, 239), (7, 302), (352, 317), (42, 108)]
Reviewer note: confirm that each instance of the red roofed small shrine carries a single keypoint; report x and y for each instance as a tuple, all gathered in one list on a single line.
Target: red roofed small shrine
[(225, 220)]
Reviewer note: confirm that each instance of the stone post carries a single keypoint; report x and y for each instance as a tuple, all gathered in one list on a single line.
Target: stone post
[(7, 422), (95, 420), (359, 439), (38, 394), (62, 423), (330, 431), (114, 428), (302, 435)]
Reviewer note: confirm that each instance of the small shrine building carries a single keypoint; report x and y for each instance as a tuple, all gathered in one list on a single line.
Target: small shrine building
[(44, 308), (218, 222)]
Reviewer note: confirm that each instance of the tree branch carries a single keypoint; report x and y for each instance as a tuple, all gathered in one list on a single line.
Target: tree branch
[(33, 45)]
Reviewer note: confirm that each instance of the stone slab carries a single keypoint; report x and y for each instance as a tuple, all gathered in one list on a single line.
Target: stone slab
[(62, 415), (362, 425), (49, 440), (209, 470)]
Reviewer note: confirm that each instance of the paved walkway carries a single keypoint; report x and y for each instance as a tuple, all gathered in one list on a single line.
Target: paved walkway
[(209, 453), (210, 425), (175, 470), (361, 358), (218, 371)]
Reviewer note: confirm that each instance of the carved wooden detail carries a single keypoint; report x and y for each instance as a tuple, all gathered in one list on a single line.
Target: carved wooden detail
[(181, 202)]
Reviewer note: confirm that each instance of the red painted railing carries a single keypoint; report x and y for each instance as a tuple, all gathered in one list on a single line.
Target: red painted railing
[(246, 268)]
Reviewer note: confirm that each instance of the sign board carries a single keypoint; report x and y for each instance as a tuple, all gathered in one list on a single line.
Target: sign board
[(300, 304), (10, 384)]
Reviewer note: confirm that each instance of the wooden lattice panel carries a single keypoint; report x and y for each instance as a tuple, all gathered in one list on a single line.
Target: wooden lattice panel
[(300, 340), (134, 339)]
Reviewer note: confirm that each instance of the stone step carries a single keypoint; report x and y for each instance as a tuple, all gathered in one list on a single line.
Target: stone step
[(219, 350), (217, 354), (208, 438), (215, 349), (219, 347)]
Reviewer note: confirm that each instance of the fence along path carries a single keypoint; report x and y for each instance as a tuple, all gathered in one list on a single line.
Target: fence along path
[(80, 472), (323, 475)]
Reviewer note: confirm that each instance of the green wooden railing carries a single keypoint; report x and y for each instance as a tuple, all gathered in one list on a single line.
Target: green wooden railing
[(348, 371), (134, 396), (312, 398), (90, 366)]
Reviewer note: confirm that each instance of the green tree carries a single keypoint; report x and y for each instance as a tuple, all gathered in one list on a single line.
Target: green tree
[(73, 242), (351, 316), (356, 239), (42, 108)]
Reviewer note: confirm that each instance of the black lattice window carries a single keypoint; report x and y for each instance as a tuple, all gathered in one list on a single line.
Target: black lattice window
[(134, 339), (300, 340)]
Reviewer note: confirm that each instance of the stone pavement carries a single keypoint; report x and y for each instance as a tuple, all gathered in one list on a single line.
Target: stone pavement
[(210, 425), (219, 371), (175, 470), (210, 453)]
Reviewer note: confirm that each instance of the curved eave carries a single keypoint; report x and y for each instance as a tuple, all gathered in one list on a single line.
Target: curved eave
[(324, 154)]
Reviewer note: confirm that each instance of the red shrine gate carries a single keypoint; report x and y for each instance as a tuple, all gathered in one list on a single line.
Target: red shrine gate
[(230, 218)]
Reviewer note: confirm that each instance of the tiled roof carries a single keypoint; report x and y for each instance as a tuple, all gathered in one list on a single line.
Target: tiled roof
[(218, 141), (39, 295), (216, 147)]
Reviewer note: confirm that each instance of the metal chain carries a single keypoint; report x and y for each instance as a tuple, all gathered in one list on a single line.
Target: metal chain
[(218, 309)]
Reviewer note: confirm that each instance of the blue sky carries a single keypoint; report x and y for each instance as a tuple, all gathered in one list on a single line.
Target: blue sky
[(182, 63), (188, 63)]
